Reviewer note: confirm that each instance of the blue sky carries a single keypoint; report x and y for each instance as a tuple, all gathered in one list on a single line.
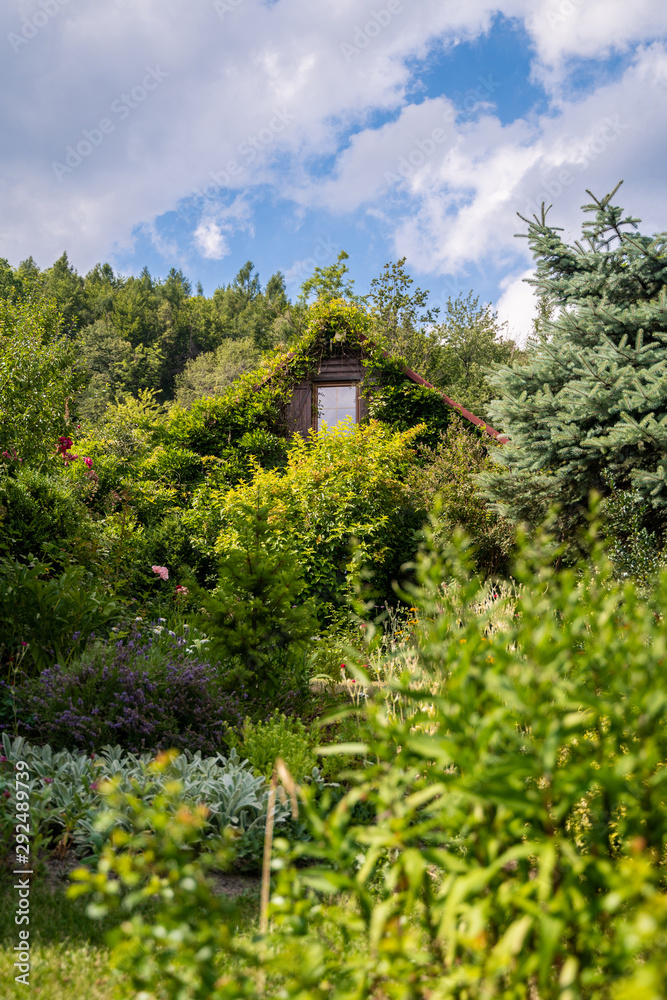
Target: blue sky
[(204, 133)]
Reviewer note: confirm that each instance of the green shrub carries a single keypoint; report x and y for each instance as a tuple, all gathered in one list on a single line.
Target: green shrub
[(49, 618), (41, 515), (445, 474), (634, 549), (263, 742), (39, 374), (257, 619), (172, 466), (340, 491), (521, 820), (67, 808)]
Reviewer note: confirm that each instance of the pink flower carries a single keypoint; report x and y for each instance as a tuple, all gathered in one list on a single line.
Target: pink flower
[(88, 462), (182, 591), (161, 571)]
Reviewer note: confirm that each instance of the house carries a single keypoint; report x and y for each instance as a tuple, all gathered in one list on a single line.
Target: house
[(331, 391)]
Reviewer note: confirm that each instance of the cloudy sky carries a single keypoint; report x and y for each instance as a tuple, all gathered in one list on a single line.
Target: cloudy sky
[(204, 133)]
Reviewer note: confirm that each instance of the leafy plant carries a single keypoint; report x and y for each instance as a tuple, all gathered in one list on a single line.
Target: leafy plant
[(634, 550), (520, 816), (67, 809), (340, 491), (144, 692), (445, 475), (52, 617), (41, 516), (39, 373), (264, 742), (257, 618)]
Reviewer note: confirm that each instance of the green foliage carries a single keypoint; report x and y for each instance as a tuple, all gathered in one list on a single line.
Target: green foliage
[(589, 397), (328, 284), (209, 374), (633, 549), (521, 824), (67, 806), (471, 344), (42, 516), (401, 405), (257, 617), (444, 475), (52, 617), (115, 366), (39, 374), (263, 742), (338, 489), (401, 320)]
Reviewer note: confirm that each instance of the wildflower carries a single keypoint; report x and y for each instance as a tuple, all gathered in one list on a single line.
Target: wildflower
[(161, 571), (7, 793), (88, 462), (161, 621), (181, 591), (48, 781), (3, 760)]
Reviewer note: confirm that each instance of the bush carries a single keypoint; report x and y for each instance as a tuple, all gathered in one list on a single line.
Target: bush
[(257, 619), (339, 490), (634, 550), (263, 742), (49, 619), (445, 474), (39, 374), (521, 823), (41, 516), (135, 694), (68, 811)]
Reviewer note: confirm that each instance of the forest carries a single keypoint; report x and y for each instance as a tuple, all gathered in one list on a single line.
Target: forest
[(403, 677)]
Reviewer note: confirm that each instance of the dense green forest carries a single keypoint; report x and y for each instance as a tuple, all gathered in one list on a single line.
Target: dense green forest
[(139, 333)]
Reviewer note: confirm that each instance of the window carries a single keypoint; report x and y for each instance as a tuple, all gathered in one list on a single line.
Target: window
[(335, 403)]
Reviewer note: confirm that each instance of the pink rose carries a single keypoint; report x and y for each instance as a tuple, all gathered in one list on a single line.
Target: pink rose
[(161, 571)]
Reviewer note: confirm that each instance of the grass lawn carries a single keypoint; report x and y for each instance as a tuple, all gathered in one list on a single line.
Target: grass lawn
[(69, 956)]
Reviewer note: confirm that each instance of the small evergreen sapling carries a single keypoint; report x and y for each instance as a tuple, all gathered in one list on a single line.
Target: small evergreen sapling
[(256, 616)]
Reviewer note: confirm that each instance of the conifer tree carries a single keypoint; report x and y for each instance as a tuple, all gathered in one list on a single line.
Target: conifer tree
[(258, 621), (587, 405)]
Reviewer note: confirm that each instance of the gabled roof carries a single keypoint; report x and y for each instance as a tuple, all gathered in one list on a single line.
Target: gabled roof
[(466, 414)]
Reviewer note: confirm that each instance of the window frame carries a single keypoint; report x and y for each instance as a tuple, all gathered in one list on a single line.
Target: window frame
[(339, 383)]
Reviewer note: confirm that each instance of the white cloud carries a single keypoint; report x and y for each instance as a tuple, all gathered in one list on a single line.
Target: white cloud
[(517, 306), (210, 241), (256, 96)]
